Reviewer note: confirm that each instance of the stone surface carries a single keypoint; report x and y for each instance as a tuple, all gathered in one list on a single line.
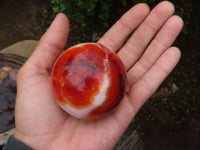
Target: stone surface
[(22, 48)]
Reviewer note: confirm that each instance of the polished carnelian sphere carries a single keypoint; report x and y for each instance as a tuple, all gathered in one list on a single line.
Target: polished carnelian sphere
[(88, 81)]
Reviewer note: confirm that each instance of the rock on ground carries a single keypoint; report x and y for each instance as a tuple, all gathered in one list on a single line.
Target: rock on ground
[(22, 48)]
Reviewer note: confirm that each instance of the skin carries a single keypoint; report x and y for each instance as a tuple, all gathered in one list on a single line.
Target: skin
[(147, 55)]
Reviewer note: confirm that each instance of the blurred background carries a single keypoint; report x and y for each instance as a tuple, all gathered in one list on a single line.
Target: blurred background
[(170, 120)]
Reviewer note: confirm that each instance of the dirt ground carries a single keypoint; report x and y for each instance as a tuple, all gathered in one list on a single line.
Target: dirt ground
[(18, 21), (29, 19)]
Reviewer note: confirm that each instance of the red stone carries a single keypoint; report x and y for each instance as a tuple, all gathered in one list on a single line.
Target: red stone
[(77, 78)]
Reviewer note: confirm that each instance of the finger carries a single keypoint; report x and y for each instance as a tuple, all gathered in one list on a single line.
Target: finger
[(144, 88), (115, 37), (148, 84), (51, 43), (140, 39), (159, 44)]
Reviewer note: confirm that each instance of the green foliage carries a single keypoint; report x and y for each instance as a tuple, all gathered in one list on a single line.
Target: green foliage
[(83, 11), (150, 2), (98, 14)]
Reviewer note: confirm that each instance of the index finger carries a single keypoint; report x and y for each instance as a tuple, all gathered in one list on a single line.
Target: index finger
[(114, 38)]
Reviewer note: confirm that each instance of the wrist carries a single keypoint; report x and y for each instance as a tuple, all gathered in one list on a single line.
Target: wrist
[(22, 139), (31, 140), (14, 144)]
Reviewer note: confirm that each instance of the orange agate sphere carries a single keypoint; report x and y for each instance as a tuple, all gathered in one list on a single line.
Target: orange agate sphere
[(88, 81)]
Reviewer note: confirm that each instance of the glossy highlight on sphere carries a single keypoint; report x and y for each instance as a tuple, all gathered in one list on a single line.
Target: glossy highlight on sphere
[(88, 81)]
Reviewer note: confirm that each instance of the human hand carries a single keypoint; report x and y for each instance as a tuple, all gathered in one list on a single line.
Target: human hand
[(147, 56)]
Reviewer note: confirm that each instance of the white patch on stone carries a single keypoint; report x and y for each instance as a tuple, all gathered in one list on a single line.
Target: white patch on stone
[(98, 101)]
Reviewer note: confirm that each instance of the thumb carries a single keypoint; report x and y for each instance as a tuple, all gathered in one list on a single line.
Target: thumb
[(51, 44)]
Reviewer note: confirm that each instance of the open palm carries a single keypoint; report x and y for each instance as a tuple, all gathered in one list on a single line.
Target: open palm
[(147, 56)]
